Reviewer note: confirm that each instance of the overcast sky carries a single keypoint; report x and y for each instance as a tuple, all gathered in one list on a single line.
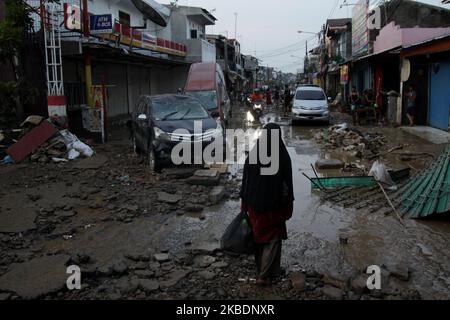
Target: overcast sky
[(265, 26)]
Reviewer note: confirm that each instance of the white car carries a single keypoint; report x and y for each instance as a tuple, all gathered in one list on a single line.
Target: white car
[(310, 104)]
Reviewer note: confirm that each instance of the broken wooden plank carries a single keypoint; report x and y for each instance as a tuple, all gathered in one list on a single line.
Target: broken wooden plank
[(31, 141)]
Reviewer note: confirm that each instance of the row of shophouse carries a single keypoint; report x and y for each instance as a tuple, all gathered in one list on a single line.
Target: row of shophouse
[(130, 48), (387, 49)]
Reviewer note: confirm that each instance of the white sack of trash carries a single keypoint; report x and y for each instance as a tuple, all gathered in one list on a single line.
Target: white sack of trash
[(75, 146), (381, 174)]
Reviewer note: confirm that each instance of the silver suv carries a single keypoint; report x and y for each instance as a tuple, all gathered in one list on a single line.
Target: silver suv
[(310, 104)]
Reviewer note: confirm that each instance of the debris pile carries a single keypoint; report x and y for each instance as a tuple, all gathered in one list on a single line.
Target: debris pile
[(355, 169), (7, 139), (42, 141), (53, 148), (351, 140)]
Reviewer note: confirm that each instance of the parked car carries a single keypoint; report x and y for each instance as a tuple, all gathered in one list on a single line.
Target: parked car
[(206, 82), (310, 104), (157, 117)]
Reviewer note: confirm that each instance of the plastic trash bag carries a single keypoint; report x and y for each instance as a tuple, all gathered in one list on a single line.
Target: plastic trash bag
[(83, 148), (72, 142), (238, 237), (59, 160), (381, 174), (340, 127), (73, 154), (7, 160)]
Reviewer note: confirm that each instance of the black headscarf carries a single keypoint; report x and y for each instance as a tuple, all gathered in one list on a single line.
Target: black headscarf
[(267, 193)]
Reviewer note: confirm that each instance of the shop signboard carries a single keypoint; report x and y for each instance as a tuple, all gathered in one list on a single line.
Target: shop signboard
[(101, 24), (72, 17), (360, 30)]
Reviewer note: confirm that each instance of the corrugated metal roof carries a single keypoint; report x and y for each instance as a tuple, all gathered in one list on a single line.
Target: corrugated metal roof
[(428, 193)]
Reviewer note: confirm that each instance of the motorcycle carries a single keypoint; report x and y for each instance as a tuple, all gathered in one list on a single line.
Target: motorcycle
[(256, 109)]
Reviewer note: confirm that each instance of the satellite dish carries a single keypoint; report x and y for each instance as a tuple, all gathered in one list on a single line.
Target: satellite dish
[(154, 11), (406, 70)]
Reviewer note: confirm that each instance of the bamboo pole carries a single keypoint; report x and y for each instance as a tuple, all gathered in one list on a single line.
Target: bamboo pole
[(392, 205)]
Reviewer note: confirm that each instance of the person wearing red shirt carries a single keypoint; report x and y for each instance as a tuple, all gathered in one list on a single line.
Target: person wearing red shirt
[(268, 201)]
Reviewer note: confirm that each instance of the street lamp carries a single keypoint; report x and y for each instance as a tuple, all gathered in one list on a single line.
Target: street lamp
[(301, 31)]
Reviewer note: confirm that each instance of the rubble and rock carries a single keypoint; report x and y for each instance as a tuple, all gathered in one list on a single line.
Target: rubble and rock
[(332, 293), (347, 139), (205, 178), (161, 257), (204, 261), (298, 280), (217, 194), (400, 271), (35, 278), (169, 198), (325, 164)]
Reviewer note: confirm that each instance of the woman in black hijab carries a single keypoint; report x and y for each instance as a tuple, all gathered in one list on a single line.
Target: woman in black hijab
[(268, 200)]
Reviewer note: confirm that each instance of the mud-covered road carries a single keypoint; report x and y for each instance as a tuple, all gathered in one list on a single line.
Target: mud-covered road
[(141, 236)]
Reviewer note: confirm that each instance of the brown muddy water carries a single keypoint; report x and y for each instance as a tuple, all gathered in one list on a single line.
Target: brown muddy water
[(330, 239)]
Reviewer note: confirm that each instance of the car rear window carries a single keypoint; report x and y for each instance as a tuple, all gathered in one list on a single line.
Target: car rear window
[(310, 95)]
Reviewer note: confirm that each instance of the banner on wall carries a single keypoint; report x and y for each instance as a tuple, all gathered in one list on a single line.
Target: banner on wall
[(94, 117), (360, 31), (93, 120), (344, 74)]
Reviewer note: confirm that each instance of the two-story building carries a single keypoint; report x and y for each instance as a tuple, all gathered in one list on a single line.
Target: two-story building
[(129, 48), (250, 65), (189, 27), (376, 50), (338, 52), (228, 56), (312, 67)]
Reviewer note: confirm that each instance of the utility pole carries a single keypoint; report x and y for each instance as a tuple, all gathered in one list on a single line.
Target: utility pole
[(306, 57), (87, 55), (235, 25), (324, 54)]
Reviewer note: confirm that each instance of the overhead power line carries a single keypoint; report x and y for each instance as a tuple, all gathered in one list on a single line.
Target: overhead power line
[(280, 52), (333, 9)]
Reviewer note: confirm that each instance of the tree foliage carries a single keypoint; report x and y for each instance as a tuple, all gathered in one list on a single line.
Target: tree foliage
[(19, 92), (12, 30)]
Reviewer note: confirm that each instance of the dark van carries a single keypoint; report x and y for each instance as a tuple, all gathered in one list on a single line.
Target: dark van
[(206, 82)]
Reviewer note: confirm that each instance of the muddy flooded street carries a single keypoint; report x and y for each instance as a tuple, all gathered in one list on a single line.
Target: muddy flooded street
[(330, 239), (137, 235)]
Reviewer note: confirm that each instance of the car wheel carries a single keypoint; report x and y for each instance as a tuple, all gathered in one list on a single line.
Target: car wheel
[(152, 162)]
